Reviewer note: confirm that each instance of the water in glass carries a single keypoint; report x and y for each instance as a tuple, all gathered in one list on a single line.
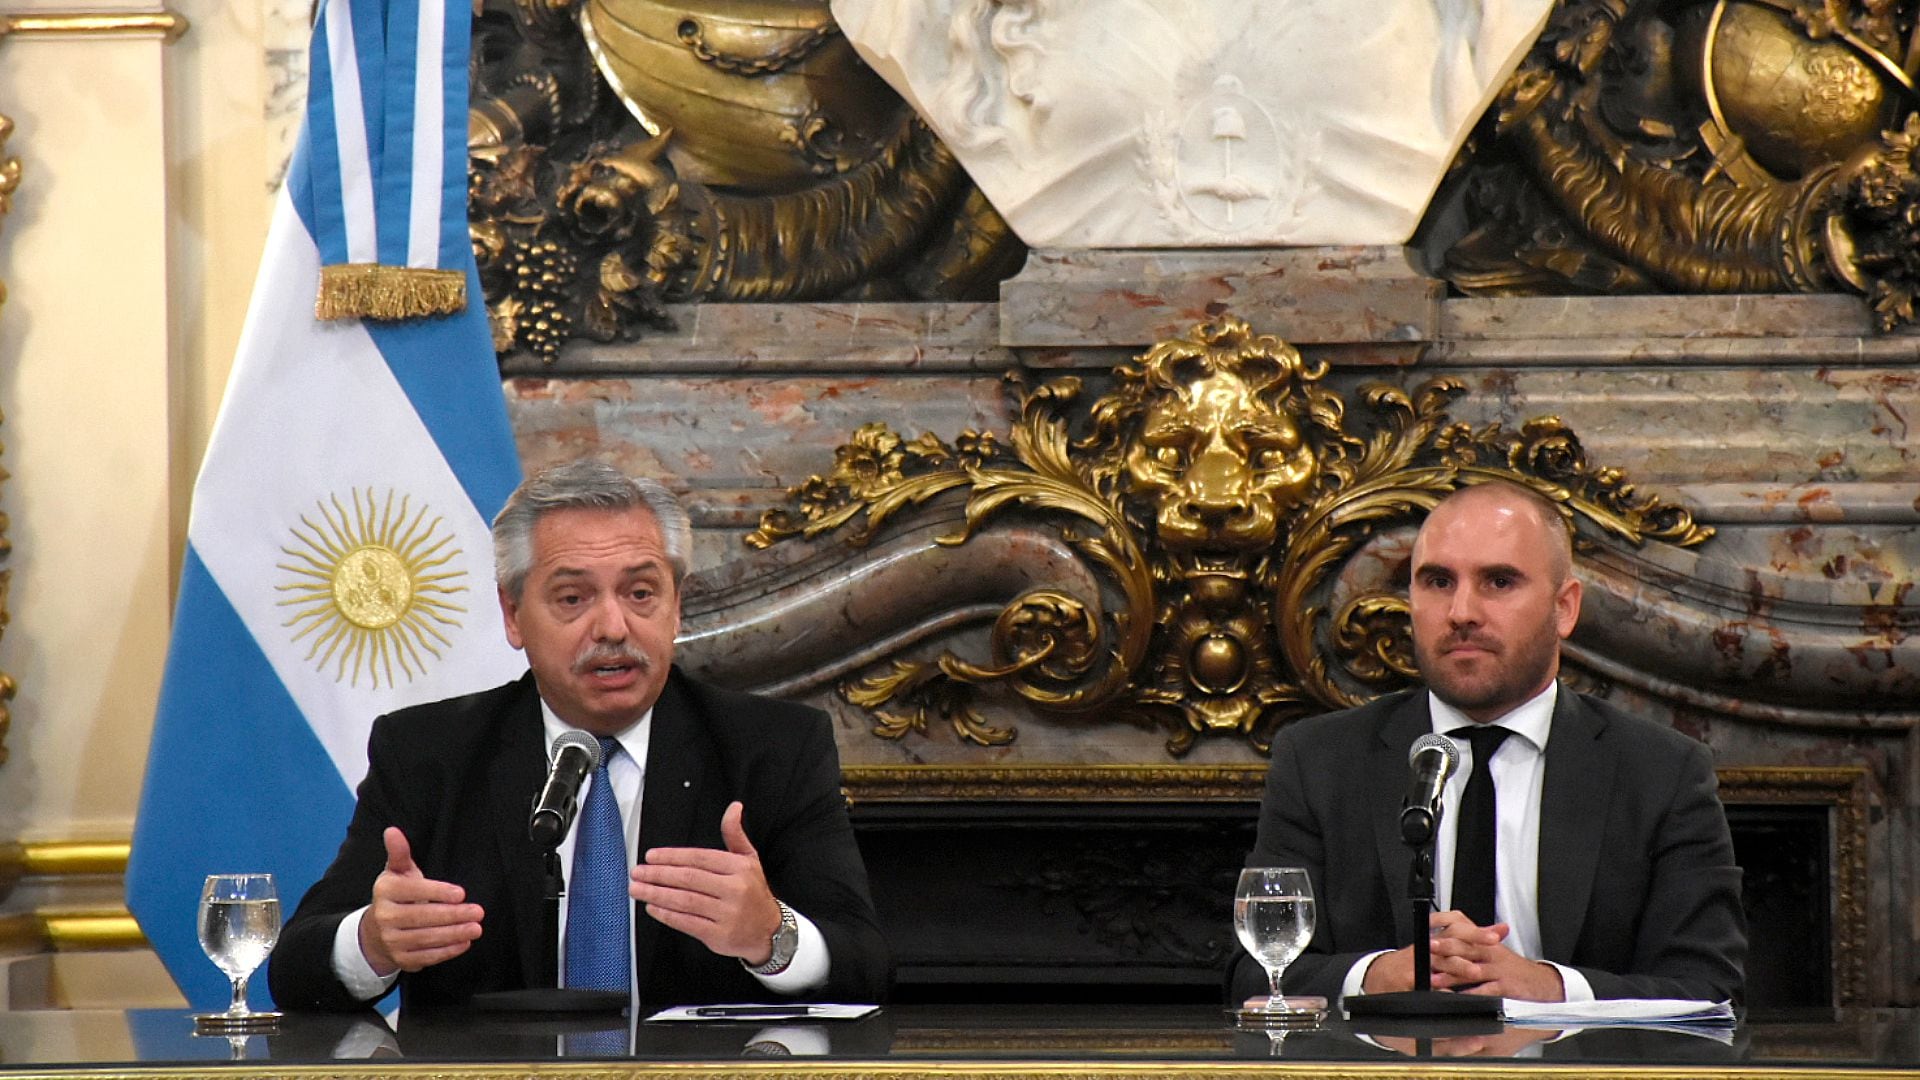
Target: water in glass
[(1273, 916), (239, 922)]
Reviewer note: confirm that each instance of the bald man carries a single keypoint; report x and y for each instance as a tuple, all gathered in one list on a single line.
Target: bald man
[(1613, 872)]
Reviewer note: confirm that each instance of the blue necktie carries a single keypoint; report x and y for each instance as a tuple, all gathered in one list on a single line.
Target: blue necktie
[(599, 916)]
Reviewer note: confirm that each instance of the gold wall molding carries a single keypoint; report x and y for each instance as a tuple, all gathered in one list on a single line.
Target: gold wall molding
[(61, 928), (165, 24), (61, 858), (71, 930)]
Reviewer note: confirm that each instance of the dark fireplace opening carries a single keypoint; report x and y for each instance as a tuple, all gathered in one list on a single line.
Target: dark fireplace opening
[(1129, 902)]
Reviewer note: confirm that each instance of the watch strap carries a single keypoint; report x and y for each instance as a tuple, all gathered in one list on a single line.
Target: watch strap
[(789, 932)]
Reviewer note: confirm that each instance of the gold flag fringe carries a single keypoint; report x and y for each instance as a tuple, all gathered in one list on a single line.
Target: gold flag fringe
[(373, 291)]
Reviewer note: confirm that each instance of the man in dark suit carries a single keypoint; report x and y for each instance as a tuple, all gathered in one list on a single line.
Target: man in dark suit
[(742, 861), (1611, 868)]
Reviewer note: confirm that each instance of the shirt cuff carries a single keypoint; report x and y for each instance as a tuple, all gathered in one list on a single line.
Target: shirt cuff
[(1357, 974), (350, 964), (1575, 985), (810, 965)]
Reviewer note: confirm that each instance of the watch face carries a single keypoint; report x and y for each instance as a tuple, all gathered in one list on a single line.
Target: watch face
[(785, 941)]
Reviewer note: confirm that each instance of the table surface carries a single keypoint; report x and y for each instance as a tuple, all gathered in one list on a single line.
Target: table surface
[(946, 1040)]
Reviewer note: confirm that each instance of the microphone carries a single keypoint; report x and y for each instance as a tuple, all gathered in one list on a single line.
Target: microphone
[(575, 754), (1432, 759)]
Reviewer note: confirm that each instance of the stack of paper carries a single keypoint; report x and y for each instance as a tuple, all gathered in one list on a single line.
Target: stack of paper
[(1617, 1011), (751, 1012)]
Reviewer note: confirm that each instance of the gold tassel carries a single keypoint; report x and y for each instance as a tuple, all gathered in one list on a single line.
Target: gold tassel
[(373, 291)]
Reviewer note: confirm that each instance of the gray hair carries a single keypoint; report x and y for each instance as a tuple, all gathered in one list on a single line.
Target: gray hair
[(583, 485)]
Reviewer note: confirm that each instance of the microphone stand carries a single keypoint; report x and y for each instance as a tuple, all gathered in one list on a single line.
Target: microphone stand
[(1417, 828), (546, 996), (554, 890)]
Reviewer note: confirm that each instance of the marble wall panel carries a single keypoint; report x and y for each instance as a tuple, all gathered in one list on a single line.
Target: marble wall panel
[(734, 444)]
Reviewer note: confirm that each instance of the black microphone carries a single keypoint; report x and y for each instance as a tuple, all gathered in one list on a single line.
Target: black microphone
[(1432, 759), (575, 754)]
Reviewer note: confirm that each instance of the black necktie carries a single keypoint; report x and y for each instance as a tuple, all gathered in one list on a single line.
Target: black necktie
[(1477, 836)]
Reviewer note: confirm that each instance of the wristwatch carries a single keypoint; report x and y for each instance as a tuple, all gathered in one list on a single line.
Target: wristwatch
[(786, 939)]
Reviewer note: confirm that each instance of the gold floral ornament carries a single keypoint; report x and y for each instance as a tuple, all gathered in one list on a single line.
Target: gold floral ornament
[(1876, 223), (1218, 489)]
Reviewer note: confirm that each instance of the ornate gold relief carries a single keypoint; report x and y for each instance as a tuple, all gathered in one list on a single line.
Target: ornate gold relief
[(631, 154), (1218, 488), (9, 181), (1703, 146)]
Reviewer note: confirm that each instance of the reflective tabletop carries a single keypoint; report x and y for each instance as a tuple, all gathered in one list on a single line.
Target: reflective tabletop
[(999, 1040)]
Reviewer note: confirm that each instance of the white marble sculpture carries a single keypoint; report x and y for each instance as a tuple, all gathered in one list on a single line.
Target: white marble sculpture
[(1199, 123)]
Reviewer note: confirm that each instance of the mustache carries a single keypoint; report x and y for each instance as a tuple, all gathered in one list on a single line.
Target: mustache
[(611, 652), (1478, 641)]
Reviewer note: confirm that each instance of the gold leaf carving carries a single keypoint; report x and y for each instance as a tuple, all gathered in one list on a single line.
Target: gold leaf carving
[(1217, 488)]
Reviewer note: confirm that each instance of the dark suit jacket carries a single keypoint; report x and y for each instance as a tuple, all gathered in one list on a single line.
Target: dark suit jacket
[(1638, 889), (459, 776)]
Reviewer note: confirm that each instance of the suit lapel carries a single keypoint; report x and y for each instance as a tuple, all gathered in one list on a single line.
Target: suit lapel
[(1573, 813), (515, 775), (1387, 776), (676, 767)]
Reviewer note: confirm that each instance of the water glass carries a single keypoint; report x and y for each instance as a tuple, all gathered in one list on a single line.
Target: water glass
[(239, 923), (1273, 916)]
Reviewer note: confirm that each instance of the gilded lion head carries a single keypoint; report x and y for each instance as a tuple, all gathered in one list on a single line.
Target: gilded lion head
[(1217, 432)]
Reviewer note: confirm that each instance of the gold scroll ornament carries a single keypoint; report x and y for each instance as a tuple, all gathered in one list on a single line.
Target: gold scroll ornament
[(1218, 488)]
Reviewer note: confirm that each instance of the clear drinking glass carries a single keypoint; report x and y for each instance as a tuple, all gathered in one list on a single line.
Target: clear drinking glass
[(1273, 916), (239, 922)]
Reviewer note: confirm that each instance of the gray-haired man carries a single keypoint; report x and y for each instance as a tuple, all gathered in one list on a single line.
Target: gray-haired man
[(738, 850)]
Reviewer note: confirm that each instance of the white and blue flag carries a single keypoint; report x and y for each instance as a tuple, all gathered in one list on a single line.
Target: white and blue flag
[(338, 564)]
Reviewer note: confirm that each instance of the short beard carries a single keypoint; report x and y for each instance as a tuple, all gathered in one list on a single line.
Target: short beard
[(1519, 676)]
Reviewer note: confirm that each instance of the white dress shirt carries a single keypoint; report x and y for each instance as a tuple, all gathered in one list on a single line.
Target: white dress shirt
[(1518, 767), (627, 773)]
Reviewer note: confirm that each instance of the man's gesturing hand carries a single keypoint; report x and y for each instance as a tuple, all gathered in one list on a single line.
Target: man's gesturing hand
[(720, 898), (414, 921)]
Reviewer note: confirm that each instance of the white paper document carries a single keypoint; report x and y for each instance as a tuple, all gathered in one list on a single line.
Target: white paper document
[(762, 1012), (1618, 1011)]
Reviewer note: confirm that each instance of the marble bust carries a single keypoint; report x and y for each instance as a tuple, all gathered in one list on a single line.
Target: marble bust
[(1199, 123)]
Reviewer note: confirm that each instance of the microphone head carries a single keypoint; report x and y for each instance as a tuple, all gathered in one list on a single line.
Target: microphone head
[(578, 738), (1430, 741)]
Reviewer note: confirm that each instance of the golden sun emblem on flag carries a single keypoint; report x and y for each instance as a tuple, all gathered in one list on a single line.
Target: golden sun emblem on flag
[(370, 585)]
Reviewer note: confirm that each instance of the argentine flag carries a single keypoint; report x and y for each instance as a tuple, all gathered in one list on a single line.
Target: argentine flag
[(338, 564)]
